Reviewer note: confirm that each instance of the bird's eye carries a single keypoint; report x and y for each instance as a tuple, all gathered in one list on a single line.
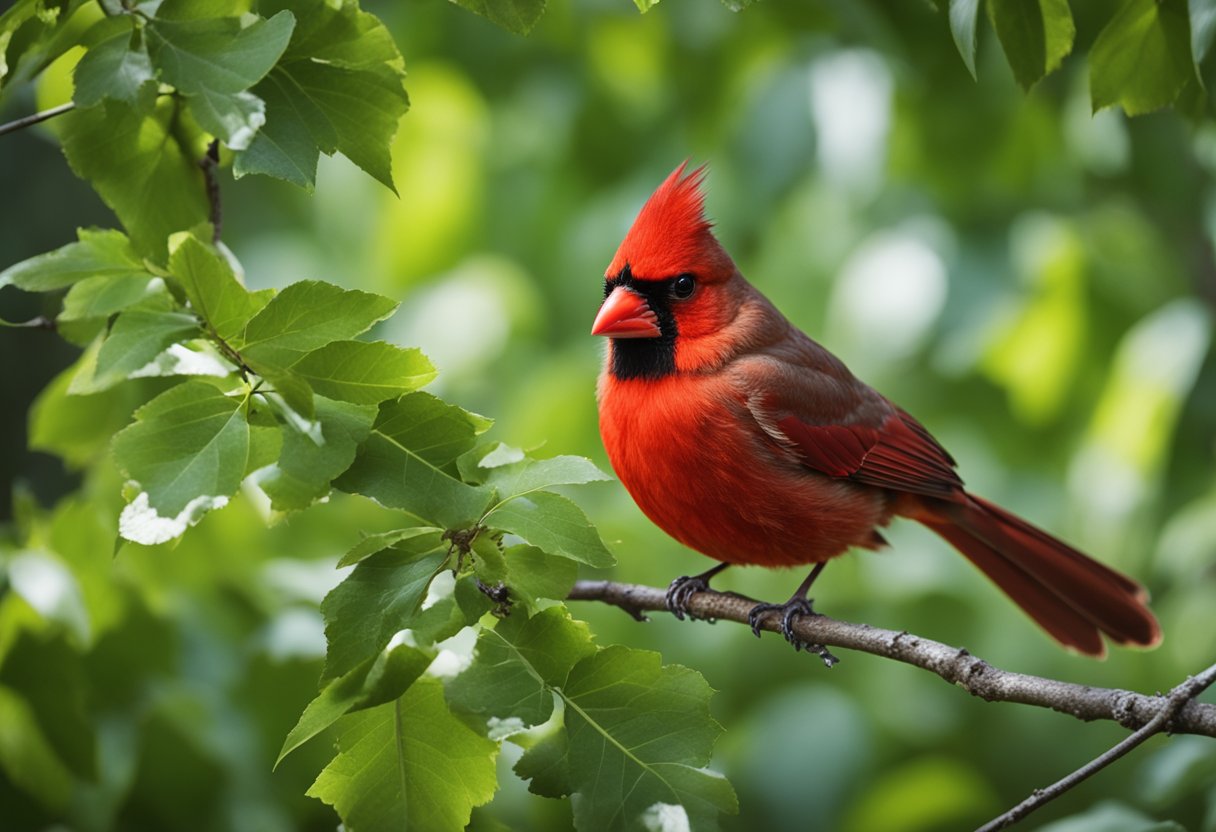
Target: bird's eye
[(683, 286)]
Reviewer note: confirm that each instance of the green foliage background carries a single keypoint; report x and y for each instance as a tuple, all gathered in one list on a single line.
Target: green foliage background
[(1034, 282)]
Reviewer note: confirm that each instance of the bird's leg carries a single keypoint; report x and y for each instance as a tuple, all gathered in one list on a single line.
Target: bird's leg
[(684, 587), (797, 606)]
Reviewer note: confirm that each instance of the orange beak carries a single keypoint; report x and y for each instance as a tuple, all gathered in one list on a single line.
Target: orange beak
[(626, 314)]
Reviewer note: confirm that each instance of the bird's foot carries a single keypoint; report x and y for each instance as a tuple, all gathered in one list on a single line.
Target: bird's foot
[(790, 611), (680, 593)]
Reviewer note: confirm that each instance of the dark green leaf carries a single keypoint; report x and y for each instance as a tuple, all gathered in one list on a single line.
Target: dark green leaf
[(374, 682), (1203, 27), (191, 441), (304, 471), (1035, 34), (964, 17), (217, 55), (364, 372), (380, 597), (517, 665), (408, 765), (518, 16), (308, 315), (531, 573), (117, 67), (1141, 61), (98, 254), (555, 524), (126, 155)]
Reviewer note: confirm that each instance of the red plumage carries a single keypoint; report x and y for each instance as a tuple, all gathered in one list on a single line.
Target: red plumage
[(749, 442)]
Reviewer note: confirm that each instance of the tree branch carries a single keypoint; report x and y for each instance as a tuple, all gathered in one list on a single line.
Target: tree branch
[(210, 164), (28, 121), (955, 665)]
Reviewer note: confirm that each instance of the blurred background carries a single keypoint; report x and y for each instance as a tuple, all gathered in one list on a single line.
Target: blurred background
[(1032, 281)]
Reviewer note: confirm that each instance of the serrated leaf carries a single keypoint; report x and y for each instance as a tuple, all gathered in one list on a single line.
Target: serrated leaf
[(136, 338), (518, 16), (408, 765), (377, 542), (212, 288), (100, 297), (233, 118), (374, 682), (189, 442), (555, 524), (401, 463), (531, 573), (1035, 34), (523, 478), (306, 316), (217, 55), (964, 18), (127, 155), (98, 254), (117, 67), (381, 596), (636, 736), (305, 469), (364, 372), (517, 664), (1140, 61), (295, 133)]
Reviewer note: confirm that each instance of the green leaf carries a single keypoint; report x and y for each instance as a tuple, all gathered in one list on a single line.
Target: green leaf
[(1203, 27), (513, 481), (118, 68), (308, 315), (518, 16), (364, 372), (27, 757), (380, 597), (374, 682), (305, 469), (217, 55), (100, 297), (555, 524), (101, 254), (531, 573), (234, 118), (408, 765), (636, 738), (964, 17), (1035, 34), (295, 133), (517, 665), (645, 5), (79, 428), (401, 465), (212, 288), (1141, 61), (191, 441), (378, 542), (127, 155), (136, 338)]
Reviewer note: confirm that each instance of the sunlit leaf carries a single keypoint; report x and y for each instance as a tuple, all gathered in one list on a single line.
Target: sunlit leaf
[(214, 292), (117, 67), (363, 372), (964, 17), (305, 469), (555, 524), (103, 254), (1141, 60), (518, 16)]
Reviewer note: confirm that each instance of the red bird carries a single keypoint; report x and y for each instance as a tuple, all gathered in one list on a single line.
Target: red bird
[(744, 439)]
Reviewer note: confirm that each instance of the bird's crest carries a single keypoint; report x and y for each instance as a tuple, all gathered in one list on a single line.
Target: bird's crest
[(671, 235)]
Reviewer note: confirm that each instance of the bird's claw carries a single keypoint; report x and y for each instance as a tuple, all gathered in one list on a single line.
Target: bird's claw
[(790, 611), (680, 592)]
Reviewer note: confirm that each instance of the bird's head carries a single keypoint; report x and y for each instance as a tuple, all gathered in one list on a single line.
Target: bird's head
[(670, 284)]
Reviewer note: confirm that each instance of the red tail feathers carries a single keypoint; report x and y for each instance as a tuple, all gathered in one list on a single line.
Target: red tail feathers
[(1070, 595)]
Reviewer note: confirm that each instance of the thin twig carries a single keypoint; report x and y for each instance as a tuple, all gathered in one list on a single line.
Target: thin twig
[(1177, 698), (210, 164), (1131, 710), (27, 121)]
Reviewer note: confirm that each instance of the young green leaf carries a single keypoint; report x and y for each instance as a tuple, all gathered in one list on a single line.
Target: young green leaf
[(100, 297), (126, 155), (518, 664), (363, 372), (137, 337), (513, 481), (308, 315), (409, 764), (191, 441), (964, 18), (555, 524), (380, 597), (401, 465), (636, 737), (104, 254), (374, 682), (305, 469), (212, 288), (1141, 60), (377, 542), (117, 67), (518, 16), (1035, 34)]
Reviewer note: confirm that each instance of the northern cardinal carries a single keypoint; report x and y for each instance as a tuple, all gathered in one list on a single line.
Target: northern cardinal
[(749, 442)]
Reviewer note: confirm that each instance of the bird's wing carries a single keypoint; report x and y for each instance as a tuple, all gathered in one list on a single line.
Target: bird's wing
[(838, 426)]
